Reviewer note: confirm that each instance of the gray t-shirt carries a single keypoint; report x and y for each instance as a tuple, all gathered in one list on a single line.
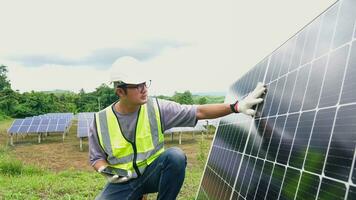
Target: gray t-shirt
[(172, 115)]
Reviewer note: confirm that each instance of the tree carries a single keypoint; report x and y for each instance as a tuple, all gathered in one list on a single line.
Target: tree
[(8, 101), (164, 97), (8, 98), (183, 98), (105, 95), (4, 82), (202, 100)]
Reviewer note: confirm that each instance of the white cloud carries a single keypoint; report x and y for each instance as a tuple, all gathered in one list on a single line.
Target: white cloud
[(226, 38), (51, 77)]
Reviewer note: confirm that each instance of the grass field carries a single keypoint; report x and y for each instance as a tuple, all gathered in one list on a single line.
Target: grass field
[(59, 170)]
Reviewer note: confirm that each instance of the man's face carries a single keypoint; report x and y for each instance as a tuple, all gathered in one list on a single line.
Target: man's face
[(136, 94)]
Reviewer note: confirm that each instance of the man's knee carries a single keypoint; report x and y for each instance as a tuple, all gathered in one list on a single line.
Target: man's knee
[(175, 156)]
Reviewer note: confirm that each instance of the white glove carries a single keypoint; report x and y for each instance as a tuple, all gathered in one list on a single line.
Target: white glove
[(246, 104), (112, 178)]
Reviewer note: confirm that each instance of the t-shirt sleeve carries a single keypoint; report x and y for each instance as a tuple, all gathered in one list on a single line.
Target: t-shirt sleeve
[(176, 115), (96, 153)]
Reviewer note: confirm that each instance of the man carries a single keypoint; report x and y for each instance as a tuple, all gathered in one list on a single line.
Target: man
[(126, 140)]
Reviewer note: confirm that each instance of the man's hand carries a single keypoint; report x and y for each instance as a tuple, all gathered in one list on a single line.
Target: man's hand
[(111, 178), (254, 98)]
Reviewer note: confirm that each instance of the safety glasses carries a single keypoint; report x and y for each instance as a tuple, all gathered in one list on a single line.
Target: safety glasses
[(140, 87)]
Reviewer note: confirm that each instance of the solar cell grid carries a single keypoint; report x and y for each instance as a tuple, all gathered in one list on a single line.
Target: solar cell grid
[(18, 122), (15, 126), (34, 125), (352, 193), (301, 144), (61, 127), (84, 122)]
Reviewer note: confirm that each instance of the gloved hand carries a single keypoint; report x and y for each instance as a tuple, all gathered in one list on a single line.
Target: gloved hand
[(112, 178), (254, 98)]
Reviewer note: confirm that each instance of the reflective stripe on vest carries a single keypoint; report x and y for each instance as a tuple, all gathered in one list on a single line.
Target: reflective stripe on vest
[(148, 138)]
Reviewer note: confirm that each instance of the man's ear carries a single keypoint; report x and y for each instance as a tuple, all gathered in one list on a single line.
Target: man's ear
[(120, 92)]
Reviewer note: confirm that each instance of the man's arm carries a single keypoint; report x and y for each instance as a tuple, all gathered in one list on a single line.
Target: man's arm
[(97, 157), (211, 111), (244, 106)]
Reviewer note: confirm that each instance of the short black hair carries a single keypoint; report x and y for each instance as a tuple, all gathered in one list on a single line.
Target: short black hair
[(119, 84)]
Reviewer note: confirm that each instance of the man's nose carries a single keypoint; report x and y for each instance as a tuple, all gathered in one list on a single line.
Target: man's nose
[(143, 89)]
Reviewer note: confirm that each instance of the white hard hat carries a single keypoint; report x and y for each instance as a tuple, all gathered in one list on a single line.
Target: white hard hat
[(127, 70)]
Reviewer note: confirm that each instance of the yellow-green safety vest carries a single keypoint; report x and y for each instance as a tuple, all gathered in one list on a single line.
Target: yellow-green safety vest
[(131, 158)]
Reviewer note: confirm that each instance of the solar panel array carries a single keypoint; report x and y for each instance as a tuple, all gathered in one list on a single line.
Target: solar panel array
[(197, 128), (84, 121), (212, 122), (52, 122), (301, 144)]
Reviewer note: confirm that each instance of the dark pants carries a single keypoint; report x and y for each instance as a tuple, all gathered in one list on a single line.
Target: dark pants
[(165, 176)]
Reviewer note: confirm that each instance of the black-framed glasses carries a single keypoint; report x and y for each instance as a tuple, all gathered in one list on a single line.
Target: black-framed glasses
[(140, 87)]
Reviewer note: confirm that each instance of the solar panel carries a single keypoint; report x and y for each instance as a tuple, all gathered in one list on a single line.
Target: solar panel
[(62, 124), (52, 122), (84, 121), (83, 131), (25, 125), (15, 126), (43, 126), (34, 125), (52, 126), (301, 144), (212, 122), (198, 128)]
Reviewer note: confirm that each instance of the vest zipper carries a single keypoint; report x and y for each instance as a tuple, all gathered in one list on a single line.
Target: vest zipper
[(134, 146), (135, 159)]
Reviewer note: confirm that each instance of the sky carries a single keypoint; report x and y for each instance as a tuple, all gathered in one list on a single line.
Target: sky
[(200, 45)]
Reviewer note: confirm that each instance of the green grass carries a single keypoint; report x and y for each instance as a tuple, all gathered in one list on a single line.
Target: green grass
[(18, 181), (5, 124), (26, 181)]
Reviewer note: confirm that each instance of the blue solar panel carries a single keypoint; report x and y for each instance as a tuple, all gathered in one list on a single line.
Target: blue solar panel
[(15, 126), (62, 121), (199, 127), (18, 122), (43, 125), (27, 121), (84, 122), (52, 126), (82, 131), (54, 122), (42, 128), (302, 142), (23, 128), (34, 125), (61, 128)]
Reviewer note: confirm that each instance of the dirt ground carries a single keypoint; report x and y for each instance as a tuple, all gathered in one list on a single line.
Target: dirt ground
[(54, 154)]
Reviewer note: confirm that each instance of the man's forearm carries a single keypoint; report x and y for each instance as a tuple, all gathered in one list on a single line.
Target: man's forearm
[(210, 111)]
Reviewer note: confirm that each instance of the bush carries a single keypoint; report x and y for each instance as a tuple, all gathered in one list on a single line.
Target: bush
[(11, 167), (3, 116)]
